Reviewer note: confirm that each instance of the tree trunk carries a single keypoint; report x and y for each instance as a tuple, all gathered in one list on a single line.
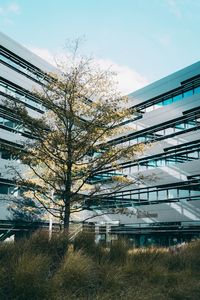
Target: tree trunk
[(68, 184), (66, 217)]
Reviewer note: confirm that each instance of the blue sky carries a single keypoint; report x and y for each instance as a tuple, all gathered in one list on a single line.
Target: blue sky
[(144, 40)]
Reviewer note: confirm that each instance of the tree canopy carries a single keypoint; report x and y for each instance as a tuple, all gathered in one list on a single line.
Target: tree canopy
[(70, 142)]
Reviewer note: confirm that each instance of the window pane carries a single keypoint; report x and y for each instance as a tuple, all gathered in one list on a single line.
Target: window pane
[(167, 101), (177, 97), (5, 154), (8, 123), (188, 93), (3, 189), (1, 121), (183, 193), (162, 195), (153, 196), (143, 196), (172, 193), (160, 162), (180, 126), (197, 90), (151, 163)]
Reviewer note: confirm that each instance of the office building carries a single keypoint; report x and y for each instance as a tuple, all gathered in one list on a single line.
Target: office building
[(165, 194)]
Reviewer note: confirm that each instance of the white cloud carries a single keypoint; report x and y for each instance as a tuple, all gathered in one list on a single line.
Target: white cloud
[(9, 8), (174, 7), (13, 7), (44, 54), (128, 79)]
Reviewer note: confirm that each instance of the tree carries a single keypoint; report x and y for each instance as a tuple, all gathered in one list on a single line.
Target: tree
[(25, 210), (71, 142)]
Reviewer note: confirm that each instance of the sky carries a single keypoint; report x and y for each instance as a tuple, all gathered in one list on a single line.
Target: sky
[(143, 40)]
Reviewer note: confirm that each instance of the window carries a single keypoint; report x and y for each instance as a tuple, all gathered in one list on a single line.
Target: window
[(9, 123), (161, 162), (173, 99), (23, 67), (143, 196), (184, 193), (153, 196), (18, 95), (188, 93), (172, 193), (162, 194), (5, 154), (197, 90), (180, 126), (3, 189), (170, 161), (151, 163), (167, 101), (177, 97)]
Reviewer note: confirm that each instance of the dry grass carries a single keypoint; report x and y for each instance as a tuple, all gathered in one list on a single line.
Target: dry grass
[(41, 269)]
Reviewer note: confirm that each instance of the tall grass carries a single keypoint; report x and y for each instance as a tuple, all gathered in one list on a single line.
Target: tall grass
[(76, 276), (40, 269), (119, 251)]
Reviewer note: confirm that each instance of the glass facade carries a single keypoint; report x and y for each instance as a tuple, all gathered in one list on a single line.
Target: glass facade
[(23, 67), (166, 179), (172, 98), (20, 95)]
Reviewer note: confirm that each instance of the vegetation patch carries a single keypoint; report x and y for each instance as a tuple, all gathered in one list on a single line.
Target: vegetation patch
[(39, 268)]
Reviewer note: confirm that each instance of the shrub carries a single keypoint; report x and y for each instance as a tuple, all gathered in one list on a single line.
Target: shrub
[(30, 277), (41, 269), (76, 276), (5, 288), (191, 255), (55, 248), (85, 241), (25, 278), (38, 242), (118, 251), (10, 251), (58, 247), (183, 285), (6, 251)]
